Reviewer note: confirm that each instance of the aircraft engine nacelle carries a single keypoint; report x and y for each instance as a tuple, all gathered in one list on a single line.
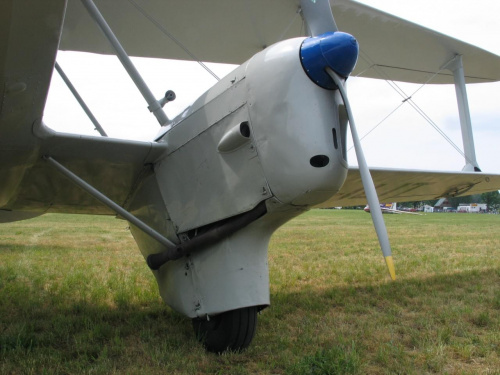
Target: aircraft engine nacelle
[(266, 130), (265, 133), (296, 127)]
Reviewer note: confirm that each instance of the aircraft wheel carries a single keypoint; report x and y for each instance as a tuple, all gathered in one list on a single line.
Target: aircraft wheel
[(231, 330)]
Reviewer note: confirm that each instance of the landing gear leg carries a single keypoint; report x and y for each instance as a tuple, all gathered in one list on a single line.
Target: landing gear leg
[(231, 330)]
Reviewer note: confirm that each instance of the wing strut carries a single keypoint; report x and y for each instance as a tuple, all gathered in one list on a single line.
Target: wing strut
[(457, 68), (79, 99), (108, 202), (155, 106)]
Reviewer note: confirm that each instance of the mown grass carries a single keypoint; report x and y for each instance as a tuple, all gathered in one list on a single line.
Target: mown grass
[(77, 298)]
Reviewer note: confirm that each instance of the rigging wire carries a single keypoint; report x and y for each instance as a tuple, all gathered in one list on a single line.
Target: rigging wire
[(379, 123), (408, 98), (173, 38), (160, 27), (372, 65), (292, 21)]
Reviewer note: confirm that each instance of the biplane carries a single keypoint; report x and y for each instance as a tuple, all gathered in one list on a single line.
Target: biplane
[(263, 145)]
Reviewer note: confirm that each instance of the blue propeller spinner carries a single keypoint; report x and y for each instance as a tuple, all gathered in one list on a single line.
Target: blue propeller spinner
[(336, 50)]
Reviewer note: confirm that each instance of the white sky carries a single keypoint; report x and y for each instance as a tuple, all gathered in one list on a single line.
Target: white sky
[(403, 141)]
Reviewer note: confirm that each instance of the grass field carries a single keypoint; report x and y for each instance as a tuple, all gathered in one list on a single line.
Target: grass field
[(77, 298)]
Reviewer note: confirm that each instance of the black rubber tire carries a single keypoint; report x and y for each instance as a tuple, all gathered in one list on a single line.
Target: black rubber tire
[(232, 330)]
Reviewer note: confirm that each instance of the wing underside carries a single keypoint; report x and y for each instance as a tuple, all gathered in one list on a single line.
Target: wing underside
[(389, 45)]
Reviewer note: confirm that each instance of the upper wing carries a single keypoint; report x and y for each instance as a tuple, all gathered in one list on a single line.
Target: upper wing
[(231, 31), (395, 185)]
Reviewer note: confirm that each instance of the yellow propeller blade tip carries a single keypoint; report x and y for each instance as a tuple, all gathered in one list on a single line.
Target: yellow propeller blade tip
[(390, 265)]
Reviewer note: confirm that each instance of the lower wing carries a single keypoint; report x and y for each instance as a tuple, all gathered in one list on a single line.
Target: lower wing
[(113, 166), (397, 185)]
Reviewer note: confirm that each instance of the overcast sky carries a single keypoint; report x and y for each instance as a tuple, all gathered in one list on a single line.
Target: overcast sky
[(405, 140)]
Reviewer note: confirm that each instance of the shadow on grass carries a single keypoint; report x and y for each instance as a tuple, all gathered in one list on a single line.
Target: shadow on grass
[(296, 329), (467, 286), (80, 336), (408, 326)]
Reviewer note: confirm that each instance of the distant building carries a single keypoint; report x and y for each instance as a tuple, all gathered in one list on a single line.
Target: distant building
[(428, 208), (472, 207), (442, 205)]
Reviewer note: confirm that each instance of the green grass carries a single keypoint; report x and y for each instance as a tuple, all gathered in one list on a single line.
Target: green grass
[(77, 298)]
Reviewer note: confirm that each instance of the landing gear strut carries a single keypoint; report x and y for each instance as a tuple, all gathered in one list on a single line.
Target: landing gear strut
[(231, 330)]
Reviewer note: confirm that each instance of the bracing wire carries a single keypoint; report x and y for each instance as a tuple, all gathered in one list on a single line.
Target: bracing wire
[(408, 99), (173, 38), (287, 28), (160, 27)]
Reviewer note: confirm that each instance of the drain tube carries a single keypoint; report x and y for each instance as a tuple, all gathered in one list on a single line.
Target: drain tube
[(212, 236)]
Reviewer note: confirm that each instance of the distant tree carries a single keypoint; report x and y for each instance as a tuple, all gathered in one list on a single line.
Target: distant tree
[(411, 204), (492, 200), (405, 204), (455, 201), (476, 198)]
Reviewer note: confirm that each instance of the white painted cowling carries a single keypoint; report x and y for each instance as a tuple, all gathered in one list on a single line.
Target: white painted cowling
[(291, 121)]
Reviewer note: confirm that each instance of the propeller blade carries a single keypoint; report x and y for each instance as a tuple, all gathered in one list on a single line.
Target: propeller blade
[(366, 178), (318, 16)]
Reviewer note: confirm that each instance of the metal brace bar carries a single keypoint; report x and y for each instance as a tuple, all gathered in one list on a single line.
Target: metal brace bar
[(77, 96), (153, 104), (108, 202), (457, 68)]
